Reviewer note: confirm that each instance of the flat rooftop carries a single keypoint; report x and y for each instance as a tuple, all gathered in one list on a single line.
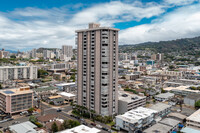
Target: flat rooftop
[(180, 88), (99, 28), (45, 88), (169, 122), (124, 96), (195, 116), (65, 84), (134, 115), (81, 129), (177, 115), (53, 97), (165, 95), (67, 94), (158, 128), (193, 96), (1, 67), (16, 91), (159, 106), (189, 130)]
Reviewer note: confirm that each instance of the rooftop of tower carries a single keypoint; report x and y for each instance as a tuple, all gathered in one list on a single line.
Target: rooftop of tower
[(96, 26)]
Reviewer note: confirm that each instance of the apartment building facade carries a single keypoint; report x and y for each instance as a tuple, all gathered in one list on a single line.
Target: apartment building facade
[(97, 79), (127, 102), (67, 50), (193, 120), (135, 120), (16, 100), (17, 72)]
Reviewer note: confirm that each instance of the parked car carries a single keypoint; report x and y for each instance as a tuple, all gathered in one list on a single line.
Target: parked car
[(72, 115), (84, 123), (24, 113), (99, 126), (77, 117), (82, 119), (29, 114), (104, 128), (34, 113), (7, 117), (93, 124), (59, 110), (15, 122), (10, 119)]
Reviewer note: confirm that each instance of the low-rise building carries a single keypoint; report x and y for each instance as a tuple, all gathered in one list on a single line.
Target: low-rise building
[(173, 73), (181, 90), (161, 108), (127, 101), (191, 99), (57, 100), (164, 96), (59, 66), (166, 125), (81, 129), (135, 119), (16, 100), (189, 130), (194, 120), (67, 87), (68, 96), (132, 76), (177, 116), (47, 118), (24, 127)]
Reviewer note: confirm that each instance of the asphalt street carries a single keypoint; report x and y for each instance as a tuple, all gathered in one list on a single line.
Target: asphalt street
[(51, 110)]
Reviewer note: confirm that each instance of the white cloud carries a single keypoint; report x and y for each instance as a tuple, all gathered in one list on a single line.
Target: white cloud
[(116, 11), (180, 2), (32, 27), (183, 22)]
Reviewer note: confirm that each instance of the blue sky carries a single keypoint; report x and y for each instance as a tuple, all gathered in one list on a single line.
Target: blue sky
[(27, 24)]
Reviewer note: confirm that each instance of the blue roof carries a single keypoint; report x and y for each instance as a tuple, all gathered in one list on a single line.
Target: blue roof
[(189, 130), (180, 125), (9, 92)]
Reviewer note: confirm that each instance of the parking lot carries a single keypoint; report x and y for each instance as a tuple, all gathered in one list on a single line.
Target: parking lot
[(185, 110)]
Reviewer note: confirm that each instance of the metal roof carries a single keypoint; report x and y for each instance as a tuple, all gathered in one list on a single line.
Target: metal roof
[(25, 127)]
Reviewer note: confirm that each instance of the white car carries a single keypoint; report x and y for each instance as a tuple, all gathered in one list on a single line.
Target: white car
[(34, 113), (99, 126)]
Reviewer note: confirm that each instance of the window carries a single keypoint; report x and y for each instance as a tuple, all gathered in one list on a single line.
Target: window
[(104, 73)]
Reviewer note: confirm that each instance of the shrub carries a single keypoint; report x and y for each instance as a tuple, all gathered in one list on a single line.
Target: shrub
[(38, 124)]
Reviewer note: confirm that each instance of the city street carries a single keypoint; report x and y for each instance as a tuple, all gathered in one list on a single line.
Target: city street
[(52, 110)]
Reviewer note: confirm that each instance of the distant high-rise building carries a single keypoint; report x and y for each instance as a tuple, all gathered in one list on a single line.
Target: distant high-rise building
[(134, 57), (97, 79), (57, 53), (67, 51), (158, 57), (47, 54), (33, 53), (123, 56), (3, 53)]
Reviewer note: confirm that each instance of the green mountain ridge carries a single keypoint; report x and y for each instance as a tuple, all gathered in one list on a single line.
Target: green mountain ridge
[(189, 45)]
